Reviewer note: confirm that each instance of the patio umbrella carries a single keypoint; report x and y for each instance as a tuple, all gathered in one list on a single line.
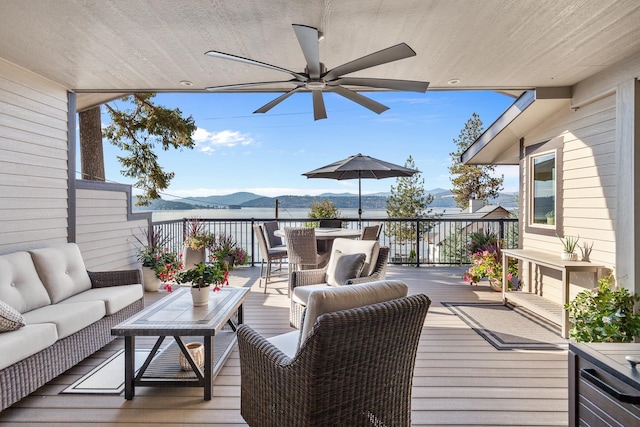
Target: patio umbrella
[(360, 166)]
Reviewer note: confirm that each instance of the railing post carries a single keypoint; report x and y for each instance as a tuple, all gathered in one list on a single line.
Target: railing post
[(418, 222), (253, 243)]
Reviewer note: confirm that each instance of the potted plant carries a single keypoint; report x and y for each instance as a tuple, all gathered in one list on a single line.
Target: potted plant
[(604, 314), (569, 244), (201, 278), (226, 249), (551, 217), (158, 263), (488, 263), (196, 242)]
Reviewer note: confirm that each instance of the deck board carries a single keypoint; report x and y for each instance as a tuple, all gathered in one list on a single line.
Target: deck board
[(460, 379)]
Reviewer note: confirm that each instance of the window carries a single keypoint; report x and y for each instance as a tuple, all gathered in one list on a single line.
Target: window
[(543, 190)]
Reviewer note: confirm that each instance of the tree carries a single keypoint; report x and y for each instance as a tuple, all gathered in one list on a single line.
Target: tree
[(323, 209), (137, 131), (408, 200), (472, 181)]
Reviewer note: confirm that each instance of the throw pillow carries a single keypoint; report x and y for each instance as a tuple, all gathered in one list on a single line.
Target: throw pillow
[(345, 267), (10, 318)]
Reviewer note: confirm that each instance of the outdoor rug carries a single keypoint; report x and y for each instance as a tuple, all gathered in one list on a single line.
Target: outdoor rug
[(107, 377), (508, 328)]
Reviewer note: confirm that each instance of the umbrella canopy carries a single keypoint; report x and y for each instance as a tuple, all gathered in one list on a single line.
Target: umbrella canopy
[(358, 167)]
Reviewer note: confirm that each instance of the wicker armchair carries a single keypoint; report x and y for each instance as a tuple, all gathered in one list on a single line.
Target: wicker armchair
[(319, 276), (354, 369), (371, 232)]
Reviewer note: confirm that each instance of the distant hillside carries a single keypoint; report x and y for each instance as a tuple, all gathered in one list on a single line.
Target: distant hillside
[(442, 199)]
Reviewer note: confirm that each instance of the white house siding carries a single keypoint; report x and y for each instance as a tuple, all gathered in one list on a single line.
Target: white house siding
[(33, 161), (106, 227), (588, 187)]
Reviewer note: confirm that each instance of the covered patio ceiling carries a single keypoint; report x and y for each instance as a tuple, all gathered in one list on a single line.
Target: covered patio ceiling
[(120, 46)]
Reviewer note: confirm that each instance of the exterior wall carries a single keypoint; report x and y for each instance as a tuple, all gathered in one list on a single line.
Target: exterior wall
[(587, 203), (106, 226), (33, 161)]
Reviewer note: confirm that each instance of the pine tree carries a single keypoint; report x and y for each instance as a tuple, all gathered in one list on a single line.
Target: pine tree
[(137, 131), (408, 200), (472, 181)]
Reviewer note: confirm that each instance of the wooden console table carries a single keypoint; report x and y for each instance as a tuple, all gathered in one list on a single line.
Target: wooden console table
[(536, 303)]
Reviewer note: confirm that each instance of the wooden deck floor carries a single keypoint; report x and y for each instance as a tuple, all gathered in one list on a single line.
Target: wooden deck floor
[(460, 379)]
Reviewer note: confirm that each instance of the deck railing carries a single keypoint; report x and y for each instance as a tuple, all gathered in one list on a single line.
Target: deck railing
[(412, 241)]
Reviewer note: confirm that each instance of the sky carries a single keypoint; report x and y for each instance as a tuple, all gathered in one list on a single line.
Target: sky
[(267, 154)]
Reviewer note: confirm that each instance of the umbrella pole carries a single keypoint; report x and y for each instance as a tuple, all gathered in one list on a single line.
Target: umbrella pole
[(359, 200)]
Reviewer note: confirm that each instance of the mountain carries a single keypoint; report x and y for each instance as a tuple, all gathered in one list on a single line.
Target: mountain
[(442, 198)]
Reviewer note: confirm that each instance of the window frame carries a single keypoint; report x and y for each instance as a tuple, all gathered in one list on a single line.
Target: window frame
[(553, 146)]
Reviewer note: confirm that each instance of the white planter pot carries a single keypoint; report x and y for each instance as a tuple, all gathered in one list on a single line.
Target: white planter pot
[(191, 257), (200, 295), (569, 256), (150, 281)]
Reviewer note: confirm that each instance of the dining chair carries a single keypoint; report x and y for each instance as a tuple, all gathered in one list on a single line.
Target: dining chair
[(274, 242), (330, 223), (302, 249), (371, 232), (268, 255)]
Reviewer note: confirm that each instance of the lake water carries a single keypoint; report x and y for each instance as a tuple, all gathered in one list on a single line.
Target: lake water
[(262, 213)]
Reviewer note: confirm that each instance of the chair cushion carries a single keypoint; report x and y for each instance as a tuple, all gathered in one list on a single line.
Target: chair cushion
[(10, 318), (62, 271), (344, 267), (370, 248), (20, 285), (301, 294), (330, 299)]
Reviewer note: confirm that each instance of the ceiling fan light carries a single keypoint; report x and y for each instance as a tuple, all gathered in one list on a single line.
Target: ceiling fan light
[(319, 85)]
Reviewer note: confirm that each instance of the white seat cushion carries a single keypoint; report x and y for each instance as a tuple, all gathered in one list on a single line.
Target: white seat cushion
[(286, 343), (301, 293), (68, 318), (370, 248), (25, 342), (115, 298)]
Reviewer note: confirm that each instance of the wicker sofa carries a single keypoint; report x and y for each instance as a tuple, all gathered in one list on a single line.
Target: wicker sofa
[(54, 313)]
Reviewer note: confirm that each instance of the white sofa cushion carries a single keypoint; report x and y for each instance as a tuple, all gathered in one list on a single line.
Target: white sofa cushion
[(344, 267), (61, 270), (115, 298), (20, 285), (330, 299), (301, 294), (370, 248), (68, 318), (25, 342), (10, 318)]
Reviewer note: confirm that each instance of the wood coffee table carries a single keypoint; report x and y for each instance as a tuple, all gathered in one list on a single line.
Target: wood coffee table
[(175, 316)]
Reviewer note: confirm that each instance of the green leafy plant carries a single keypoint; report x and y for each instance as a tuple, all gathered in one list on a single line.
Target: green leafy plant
[(225, 246), (154, 254), (204, 274), (196, 238), (603, 314), (569, 243), (550, 214), (488, 263)]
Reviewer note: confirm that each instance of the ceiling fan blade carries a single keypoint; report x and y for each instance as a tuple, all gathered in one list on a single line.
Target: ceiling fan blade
[(277, 101), (242, 85), (308, 39), (390, 54), (402, 85), (319, 112), (223, 55), (369, 103)]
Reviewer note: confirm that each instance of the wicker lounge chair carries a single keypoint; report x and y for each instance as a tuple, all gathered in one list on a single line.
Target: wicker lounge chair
[(355, 368)]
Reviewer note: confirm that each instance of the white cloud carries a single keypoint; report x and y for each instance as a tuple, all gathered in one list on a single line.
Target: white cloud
[(208, 142)]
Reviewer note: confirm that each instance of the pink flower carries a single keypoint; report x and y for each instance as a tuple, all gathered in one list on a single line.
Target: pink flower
[(509, 276)]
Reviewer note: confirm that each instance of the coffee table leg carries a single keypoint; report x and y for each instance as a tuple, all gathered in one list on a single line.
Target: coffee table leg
[(208, 366), (129, 366)]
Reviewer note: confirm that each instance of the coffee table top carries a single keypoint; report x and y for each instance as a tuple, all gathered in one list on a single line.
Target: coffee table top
[(175, 314)]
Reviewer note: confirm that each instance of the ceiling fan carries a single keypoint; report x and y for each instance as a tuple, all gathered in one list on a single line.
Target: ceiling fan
[(317, 79)]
